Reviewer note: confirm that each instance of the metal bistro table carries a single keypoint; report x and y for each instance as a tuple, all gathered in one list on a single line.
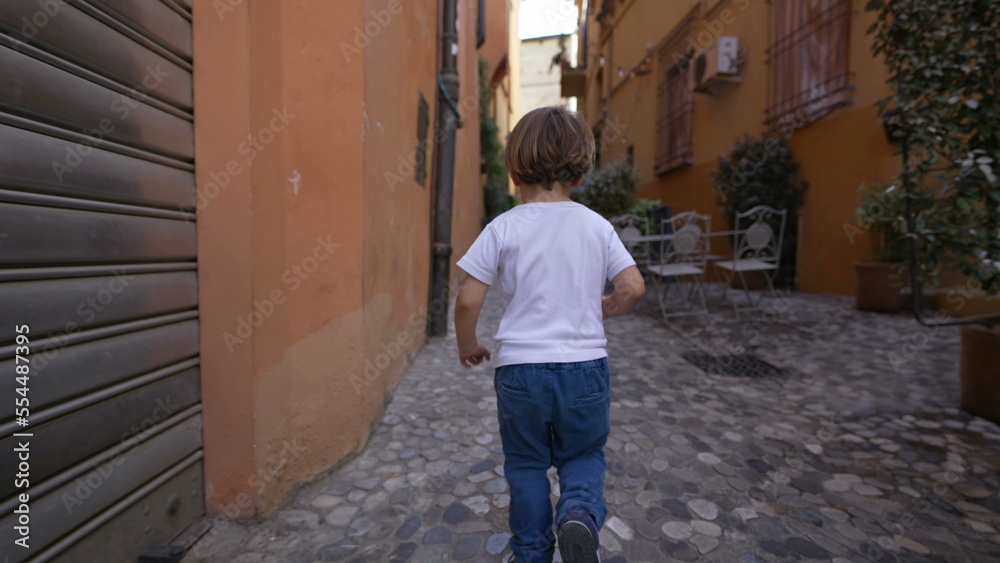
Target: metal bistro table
[(633, 240), (667, 236), (731, 234)]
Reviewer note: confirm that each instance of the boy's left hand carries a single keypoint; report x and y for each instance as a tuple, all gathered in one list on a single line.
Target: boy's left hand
[(475, 356)]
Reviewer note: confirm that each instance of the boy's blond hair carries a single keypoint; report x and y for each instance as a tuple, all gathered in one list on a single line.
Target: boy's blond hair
[(550, 145)]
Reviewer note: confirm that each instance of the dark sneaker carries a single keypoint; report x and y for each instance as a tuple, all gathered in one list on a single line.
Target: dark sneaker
[(578, 538)]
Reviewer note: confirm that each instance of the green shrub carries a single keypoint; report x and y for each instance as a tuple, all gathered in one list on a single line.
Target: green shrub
[(943, 58), (882, 211), (644, 208), (761, 171), (609, 191)]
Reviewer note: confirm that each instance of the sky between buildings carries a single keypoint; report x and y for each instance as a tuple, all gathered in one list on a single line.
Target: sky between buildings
[(540, 18)]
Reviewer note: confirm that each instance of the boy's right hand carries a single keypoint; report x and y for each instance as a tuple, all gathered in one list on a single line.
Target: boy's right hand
[(629, 290), (475, 356), (608, 306)]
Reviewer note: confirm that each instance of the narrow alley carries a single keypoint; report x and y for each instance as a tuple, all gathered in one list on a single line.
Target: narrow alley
[(805, 450)]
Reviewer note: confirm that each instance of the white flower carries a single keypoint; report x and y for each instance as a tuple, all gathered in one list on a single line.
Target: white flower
[(988, 172)]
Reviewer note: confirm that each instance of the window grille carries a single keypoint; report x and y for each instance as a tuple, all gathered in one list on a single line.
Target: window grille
[(808, 61), (674, 108)]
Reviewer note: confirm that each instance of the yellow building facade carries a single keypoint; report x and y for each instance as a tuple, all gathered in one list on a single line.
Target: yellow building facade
[(803, 70)]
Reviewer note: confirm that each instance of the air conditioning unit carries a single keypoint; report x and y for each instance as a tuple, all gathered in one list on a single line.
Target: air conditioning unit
[(715, 67)]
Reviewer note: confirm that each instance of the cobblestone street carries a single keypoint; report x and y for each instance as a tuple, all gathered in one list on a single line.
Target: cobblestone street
[(836, 436)]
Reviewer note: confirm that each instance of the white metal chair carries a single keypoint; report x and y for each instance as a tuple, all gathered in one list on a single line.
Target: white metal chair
[(756, 249), (631, 226), (682, 256)]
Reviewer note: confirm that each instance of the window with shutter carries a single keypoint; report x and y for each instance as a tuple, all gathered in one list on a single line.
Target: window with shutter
[(808, 61), (674, 107)]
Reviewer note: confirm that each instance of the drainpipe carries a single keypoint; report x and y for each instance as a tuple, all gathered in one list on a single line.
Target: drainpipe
[(444, 151)]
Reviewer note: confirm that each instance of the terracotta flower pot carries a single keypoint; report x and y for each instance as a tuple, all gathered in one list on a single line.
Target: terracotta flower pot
[(878, 287), (980, 370)]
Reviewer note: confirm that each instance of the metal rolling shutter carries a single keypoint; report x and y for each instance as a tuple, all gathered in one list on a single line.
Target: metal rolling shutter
[(97, 257)]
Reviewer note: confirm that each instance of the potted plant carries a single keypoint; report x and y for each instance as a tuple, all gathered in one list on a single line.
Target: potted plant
[(881, 284), (942, 58), (762, 171)]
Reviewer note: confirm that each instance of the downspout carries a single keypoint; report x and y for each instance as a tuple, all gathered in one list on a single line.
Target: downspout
[(481, 25), (444, 151)]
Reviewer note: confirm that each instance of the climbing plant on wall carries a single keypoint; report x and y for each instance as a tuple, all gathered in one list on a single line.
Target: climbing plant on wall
[(944, 62), (496, 197)]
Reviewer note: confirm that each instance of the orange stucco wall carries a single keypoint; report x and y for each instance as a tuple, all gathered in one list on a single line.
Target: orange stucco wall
[(497, 32), (501, 51), (225, 255), (397, 209), (467, 215), (314, 264), (836, 153)]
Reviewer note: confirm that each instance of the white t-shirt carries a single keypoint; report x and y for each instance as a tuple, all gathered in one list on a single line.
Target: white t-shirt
[(552, 259)]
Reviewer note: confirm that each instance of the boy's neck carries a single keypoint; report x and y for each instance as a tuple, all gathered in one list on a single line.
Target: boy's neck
[(538, 194)]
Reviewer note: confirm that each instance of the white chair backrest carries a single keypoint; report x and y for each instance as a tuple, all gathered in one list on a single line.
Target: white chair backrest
[(689, 243), (631, 226), (759, 241)]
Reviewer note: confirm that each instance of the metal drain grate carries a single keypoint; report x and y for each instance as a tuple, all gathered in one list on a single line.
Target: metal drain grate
[(747, 365)]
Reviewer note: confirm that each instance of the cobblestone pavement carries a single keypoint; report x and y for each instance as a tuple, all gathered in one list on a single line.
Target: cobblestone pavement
[(847, 445)]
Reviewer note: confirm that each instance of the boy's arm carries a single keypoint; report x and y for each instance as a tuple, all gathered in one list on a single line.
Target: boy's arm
[(629, 290), (467, 306)]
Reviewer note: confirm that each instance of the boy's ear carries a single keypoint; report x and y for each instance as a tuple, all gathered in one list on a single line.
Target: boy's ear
[(517, 181), (578, 181)]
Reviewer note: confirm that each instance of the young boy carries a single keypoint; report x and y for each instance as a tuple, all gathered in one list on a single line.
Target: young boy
[(552, 257)]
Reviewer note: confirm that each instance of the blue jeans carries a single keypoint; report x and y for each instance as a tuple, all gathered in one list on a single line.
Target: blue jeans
[(552, 415)]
